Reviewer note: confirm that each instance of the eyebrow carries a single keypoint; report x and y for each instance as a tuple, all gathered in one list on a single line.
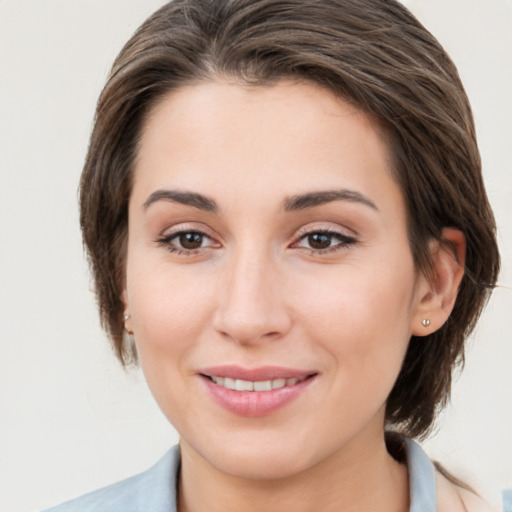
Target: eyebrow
[(294, 203), (187, 198), (311, 199)]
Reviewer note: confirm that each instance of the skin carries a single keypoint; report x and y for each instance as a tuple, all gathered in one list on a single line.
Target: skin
[(255, 292)]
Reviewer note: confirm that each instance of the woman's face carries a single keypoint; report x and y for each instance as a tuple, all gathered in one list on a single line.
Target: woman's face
[(268, 252)]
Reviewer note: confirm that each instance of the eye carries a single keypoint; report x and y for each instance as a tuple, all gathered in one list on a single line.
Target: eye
[(190, 240), (186, 242), (324, 241)]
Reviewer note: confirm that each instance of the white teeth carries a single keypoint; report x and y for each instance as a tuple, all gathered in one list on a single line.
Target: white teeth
[(218, 380), (229, 383), (263, 385), (247, 385), (244, 385), (278, 383)]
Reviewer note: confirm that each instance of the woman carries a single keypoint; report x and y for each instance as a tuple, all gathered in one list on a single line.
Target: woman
[(288, 229)]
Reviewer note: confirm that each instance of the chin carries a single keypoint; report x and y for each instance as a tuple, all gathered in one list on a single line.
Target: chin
[(262, 455), (259, 463)]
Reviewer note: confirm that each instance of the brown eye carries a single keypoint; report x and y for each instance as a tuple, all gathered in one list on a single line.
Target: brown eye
[(191, 240), (323, 242), (320, 240), (187, 242)]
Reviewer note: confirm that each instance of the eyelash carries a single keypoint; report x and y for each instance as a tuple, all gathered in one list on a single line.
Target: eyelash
[(166, 242), (345, 241)]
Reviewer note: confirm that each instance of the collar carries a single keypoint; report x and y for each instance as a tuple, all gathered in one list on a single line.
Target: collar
[(422, 479)]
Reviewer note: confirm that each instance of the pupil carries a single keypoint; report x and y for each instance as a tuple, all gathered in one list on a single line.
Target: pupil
[(191, 240), (319, 241)]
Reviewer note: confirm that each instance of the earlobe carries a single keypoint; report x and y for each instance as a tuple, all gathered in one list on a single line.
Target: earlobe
[(127, 324), (127, 321), (437, 293)]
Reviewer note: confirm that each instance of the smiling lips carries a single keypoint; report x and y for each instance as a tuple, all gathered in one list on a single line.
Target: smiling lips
[(257, 392), (248, 385)]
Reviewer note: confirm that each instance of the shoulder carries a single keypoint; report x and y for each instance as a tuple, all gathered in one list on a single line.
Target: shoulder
[(451, 498), (431, 491), (154, 489)]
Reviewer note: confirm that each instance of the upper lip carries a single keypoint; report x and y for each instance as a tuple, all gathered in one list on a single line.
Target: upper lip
[(255, 374)]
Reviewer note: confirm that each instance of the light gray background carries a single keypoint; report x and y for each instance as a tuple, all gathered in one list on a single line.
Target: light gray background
[(70, 419)]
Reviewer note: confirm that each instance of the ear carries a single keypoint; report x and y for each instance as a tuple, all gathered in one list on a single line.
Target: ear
[(436, 293)]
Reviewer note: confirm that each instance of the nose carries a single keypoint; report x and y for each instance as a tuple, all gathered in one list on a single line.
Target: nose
[(252, 300)]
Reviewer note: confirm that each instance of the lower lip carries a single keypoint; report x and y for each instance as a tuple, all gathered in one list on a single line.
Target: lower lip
[(253, 404)]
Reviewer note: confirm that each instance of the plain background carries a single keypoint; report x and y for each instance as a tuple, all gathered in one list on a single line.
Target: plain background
[(70, 419)]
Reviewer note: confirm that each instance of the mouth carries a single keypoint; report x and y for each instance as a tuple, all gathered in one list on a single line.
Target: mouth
[(257, 392), (254, 386)]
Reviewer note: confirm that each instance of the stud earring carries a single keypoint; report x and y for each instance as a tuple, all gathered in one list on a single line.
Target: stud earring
[(125, 318), (425, 322)]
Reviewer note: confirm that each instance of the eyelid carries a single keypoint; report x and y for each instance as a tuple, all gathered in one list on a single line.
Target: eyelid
[(324, 228), (185, 227), (164, 239), (345, 239)]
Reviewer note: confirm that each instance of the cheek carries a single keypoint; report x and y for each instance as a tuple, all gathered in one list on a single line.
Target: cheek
[(167, 306), (169, 313), (362, 318)]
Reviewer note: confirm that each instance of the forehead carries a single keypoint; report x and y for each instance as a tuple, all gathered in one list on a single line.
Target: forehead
[(285, 138)]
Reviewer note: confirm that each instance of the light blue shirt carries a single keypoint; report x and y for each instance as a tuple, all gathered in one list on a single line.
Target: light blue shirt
[(154, 490)]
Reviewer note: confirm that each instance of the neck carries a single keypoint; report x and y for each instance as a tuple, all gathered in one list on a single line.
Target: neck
[(360, 477)]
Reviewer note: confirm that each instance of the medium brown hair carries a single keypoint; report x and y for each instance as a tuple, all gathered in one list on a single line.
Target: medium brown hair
[(372, 53)]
